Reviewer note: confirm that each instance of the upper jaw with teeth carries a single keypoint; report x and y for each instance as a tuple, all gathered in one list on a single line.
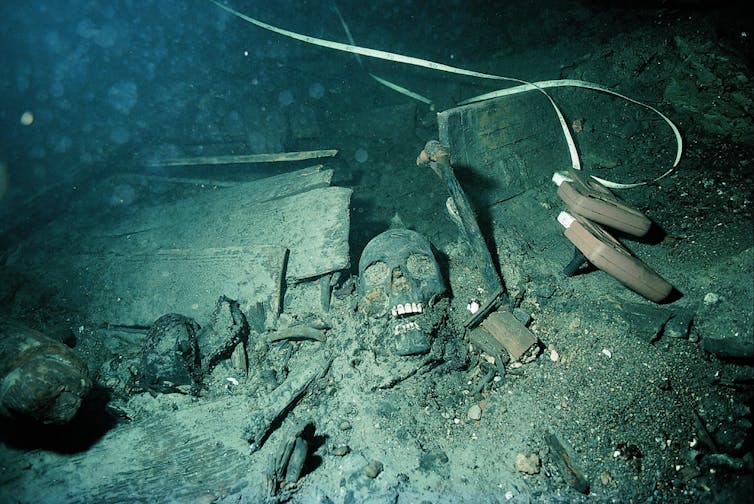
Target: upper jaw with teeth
[(406, 308)]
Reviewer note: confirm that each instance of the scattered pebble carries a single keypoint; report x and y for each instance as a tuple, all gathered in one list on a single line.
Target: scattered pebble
[(373, 469), (522, 315), (607, 353), (574, 324), (527, 464), (475, 412), (545, 291), (606, 478), (711, 298), (679, 325), (340, 450)]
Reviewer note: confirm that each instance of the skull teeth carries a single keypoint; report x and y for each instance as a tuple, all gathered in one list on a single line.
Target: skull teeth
[(403, 309), (408, 326)]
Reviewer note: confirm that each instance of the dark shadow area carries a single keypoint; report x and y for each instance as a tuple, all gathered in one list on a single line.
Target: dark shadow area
[(315, 442), (92, 421), (674, 296), (444, 262), (655, 235), (363, 228)]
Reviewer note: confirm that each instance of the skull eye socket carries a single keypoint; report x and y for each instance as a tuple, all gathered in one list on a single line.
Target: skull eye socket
[(376, 273), (420, 266)]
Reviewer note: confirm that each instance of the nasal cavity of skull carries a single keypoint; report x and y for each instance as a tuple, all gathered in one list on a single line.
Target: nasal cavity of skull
[(399, 282)]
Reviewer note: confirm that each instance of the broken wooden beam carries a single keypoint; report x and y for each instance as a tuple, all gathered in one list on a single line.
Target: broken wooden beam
[(437, 157)]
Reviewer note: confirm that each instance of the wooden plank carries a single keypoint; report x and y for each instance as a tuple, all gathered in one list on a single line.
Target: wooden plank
[(193, 454), (181, 257), (313, 225), (480, 261), (515, 141), (177, 449), (137, 288), (257, 191), (247, 158)]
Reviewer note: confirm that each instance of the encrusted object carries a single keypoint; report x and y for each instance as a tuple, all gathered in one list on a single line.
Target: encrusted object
[(42, 379), (226, 330), (271, 413), (170, 355)]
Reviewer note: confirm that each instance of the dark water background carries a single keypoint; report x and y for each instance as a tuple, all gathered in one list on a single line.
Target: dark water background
[(114, 86)]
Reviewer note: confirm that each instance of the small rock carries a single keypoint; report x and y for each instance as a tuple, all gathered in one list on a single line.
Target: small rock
[(344, 425), (527, 464), (432, 460), (678, 326), (605, 477), (574, 324), (711, 298), (474, 413), (664, 383), (545, 291), (730, 344), (340, 450), (373, 469)]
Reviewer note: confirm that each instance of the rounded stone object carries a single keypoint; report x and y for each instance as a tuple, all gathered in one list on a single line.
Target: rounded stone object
[(340, 450), (40, 378), (373, 469), (170, 354), (474, 413)]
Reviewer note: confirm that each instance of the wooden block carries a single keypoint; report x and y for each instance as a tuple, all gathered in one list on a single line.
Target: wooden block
[(484, 341), (609, 255), (517, 340), (597, 203)]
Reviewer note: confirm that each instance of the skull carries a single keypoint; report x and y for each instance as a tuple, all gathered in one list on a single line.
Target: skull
[(399, 275)]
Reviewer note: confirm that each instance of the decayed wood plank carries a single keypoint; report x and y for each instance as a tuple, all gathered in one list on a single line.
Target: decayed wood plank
[(175, 450), (514, 140), (193, 454), (180, 257), (313, 225), (137, 288), (247, 158)]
